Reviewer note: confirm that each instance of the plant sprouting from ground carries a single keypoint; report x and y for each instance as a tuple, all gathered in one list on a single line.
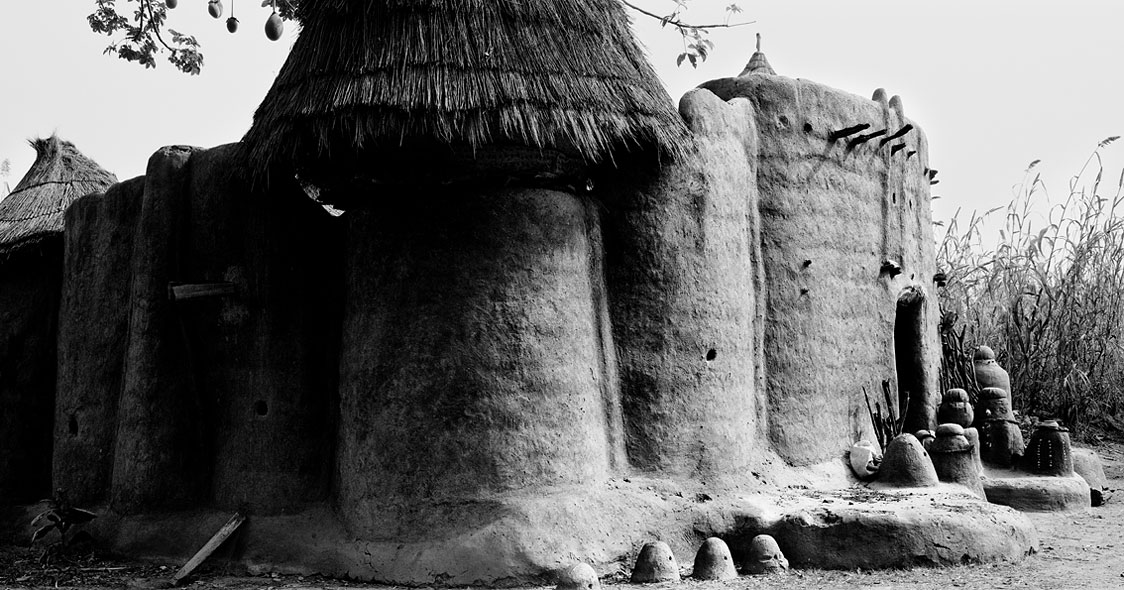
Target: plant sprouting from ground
[(1048, 297), (61, 517)]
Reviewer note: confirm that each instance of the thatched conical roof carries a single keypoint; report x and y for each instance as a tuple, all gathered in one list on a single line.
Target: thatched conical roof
[(758, 63), (564, 74), (34, 210)]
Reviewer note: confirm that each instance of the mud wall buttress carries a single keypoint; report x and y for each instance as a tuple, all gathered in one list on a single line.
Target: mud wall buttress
[(682, 276), (159, 455), (94, 321)]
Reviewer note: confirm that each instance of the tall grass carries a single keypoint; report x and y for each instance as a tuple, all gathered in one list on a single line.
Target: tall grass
[(1048, 297)]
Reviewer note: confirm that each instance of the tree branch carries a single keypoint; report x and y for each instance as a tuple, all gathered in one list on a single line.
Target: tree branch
[(675, 22)]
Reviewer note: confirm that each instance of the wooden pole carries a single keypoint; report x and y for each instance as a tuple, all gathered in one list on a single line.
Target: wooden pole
[(209, 548)]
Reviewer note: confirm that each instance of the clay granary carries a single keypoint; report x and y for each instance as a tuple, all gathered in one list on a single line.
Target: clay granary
[(555, 318)]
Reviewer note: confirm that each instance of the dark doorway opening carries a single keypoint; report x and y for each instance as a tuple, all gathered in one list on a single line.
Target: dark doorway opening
[(909, 357)]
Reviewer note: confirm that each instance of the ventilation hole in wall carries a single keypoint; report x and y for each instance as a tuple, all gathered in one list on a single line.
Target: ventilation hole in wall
[(72, 425), (261, 408), (807, 128), (711, 354), (895, 198), (807, 263)]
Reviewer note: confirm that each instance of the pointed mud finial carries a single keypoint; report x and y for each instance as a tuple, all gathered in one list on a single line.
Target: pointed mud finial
[(758, 64)]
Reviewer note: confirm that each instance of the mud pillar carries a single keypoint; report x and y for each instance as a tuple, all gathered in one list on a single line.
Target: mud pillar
[(683, 274), (472, 360), (94, 313), (159, 458)]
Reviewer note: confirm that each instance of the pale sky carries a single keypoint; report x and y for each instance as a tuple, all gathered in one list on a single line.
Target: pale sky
[(995, 84)]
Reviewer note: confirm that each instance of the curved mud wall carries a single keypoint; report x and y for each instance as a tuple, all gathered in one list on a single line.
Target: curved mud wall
[(473, 357), (95, 315), (683, 277), (224, 400), (837, 215)]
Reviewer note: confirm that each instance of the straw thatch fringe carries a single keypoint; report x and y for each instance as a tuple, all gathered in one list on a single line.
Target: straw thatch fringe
[(34, 210), (560, 74)]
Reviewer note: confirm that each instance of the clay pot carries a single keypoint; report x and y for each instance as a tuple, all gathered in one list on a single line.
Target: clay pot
[(988, 372), (1002, 442), (994, 404), (1049, 451), (925, 437), (954, 460), (656, 563), (580, 576), (765, 556), (906, 464), (714, 562), (956, 408)]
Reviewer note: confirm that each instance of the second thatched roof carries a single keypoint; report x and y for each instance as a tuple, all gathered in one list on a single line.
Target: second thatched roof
[(562, 74), (34, 210)]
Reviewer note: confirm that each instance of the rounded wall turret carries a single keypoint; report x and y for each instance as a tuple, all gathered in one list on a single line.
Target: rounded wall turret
[(848, 256)]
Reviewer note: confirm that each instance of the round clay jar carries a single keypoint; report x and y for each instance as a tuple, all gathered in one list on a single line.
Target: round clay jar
[(1049, 451), (995, 403), (988, 372), (956, 408)]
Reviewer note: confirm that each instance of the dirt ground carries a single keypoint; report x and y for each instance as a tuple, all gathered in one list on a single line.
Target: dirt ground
[(1082, 549)]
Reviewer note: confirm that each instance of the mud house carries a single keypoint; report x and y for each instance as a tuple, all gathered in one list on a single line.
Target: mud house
[(554, 313)]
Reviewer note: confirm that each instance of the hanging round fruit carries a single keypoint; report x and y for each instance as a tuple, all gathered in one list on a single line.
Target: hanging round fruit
[(214, 7), (172, 3), (232, 24), (274, 27)]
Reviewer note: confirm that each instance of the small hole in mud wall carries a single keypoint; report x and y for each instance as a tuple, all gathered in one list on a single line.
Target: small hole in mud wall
[(711, 354), (261, 408), (72, 425), (909, 356), (807, 128)]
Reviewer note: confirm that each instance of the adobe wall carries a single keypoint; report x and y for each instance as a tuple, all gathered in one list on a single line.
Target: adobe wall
[(833, 213), (684, 280), (225, 401), (94, 312), (473, 358)]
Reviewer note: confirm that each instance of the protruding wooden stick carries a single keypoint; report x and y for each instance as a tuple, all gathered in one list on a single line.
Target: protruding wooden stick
[(837, 135), (209, 548)]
